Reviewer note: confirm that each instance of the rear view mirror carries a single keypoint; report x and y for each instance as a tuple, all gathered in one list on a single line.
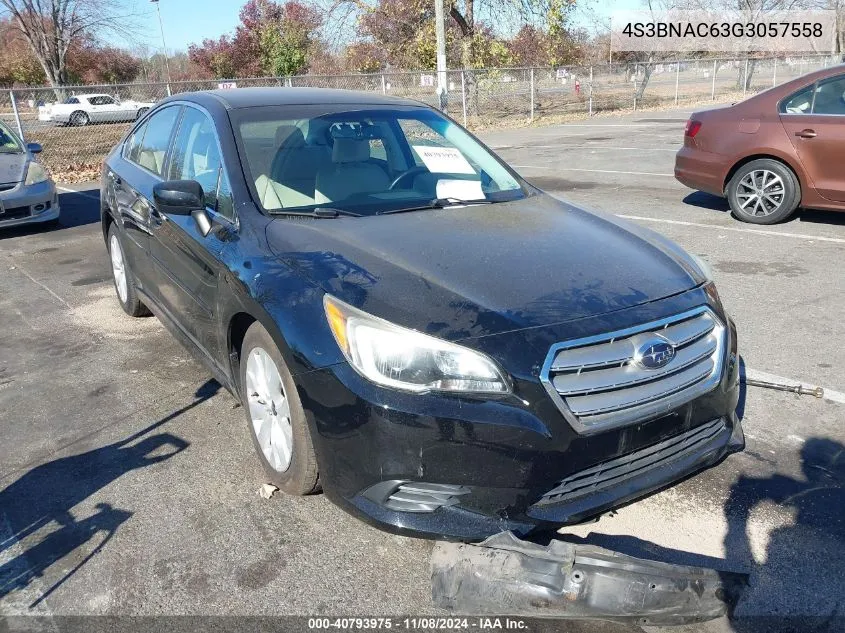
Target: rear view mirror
[(183, 197), (34, 148), (178, 197)]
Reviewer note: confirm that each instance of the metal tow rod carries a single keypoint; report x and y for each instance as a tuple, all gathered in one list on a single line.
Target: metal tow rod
[(801, 390)]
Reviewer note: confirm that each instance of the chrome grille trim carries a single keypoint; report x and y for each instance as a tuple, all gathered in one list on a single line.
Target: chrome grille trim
[(610, 473), (596, 385)]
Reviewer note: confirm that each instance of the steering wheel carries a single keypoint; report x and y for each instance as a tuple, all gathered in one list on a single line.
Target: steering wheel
[(405, 175)]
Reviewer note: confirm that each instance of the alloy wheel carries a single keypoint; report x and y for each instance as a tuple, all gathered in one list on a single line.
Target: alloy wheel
[(760, 192), (269, 409), (118, 268)]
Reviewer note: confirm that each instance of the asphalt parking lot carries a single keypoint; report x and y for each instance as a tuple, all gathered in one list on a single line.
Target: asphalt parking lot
[(128, 483)]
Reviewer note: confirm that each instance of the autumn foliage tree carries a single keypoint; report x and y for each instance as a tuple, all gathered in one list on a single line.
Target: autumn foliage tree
[(273, 38)]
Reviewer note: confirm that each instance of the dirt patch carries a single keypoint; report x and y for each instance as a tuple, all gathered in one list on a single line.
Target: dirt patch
[(103, 315), (770, 269), (551, 183)]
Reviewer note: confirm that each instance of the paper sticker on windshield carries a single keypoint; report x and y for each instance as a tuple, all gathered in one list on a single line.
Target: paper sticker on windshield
[(443, 160), (460, 189)]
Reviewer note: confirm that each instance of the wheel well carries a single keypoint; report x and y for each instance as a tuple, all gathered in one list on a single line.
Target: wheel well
[(748, 159), (237, 331), (107, 221)]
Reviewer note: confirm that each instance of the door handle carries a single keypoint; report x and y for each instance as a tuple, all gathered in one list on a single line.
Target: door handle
[(806, 134)]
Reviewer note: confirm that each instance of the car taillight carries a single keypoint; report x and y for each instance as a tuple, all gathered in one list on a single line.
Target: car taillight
[(692, 128)]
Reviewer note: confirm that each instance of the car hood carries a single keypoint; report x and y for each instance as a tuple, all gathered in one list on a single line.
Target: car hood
[(13, 167), (474, 271)]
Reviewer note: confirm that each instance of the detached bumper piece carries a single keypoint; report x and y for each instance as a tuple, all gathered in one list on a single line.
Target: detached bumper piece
[(509, 577)]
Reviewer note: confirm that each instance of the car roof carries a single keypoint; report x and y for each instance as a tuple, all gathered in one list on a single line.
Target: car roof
[(252, 97)]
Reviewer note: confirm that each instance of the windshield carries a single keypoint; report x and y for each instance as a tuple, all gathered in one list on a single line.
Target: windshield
[(9, 143), (367, 161)]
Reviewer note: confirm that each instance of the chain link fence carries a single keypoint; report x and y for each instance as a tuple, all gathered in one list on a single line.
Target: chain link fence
[(479, 98)]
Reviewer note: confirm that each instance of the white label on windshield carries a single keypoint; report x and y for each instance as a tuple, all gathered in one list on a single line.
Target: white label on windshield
[(460, 189), (443, 160)]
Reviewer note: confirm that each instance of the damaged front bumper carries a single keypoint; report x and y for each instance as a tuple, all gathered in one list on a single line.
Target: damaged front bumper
[(509, 577)]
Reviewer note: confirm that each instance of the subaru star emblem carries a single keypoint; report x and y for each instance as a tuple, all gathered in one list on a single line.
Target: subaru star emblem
[(653, 352)]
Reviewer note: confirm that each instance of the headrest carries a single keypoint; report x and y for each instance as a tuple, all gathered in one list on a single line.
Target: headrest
[(350, 150), (289, 135)]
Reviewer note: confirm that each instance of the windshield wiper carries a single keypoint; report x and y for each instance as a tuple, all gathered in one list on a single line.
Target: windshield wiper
[(438, 203), (319, 212)]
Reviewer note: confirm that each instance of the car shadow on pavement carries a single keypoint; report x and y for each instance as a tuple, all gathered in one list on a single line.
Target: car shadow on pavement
[(47, 495), (716, 203)]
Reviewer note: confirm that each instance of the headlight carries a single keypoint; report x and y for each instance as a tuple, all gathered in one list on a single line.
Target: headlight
[(703, 267), (397, 357), (35, 173)]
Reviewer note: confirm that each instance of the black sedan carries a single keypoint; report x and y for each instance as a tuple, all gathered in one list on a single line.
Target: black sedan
[(441, 347)]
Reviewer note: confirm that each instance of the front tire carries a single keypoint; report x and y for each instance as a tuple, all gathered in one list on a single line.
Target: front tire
[(124, 281), (79, 119), (275, 416), (764, 191)]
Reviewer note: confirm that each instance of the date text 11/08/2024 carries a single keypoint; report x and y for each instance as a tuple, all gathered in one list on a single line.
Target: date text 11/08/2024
[(420, 623)]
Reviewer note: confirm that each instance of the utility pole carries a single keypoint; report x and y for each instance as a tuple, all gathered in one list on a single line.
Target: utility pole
[(163, 45), (440, 30)]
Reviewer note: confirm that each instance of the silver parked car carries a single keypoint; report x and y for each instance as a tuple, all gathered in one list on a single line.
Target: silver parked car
[(27, 193)]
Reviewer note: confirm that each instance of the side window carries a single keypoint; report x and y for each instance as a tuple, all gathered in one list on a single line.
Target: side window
[(132, 148), (799, 103), (195, 154), (153, 147), (830, 96), (106, 101)]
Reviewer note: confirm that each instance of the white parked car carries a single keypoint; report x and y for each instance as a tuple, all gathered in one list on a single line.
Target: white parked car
[(85, 109)]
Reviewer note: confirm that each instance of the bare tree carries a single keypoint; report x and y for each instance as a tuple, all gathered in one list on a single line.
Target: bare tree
[(53, 27)]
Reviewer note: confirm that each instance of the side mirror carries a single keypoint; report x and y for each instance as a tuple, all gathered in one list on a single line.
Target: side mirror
[(178, 197), (34, 148), (183, 197)]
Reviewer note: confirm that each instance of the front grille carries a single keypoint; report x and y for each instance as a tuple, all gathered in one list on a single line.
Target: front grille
[(415, 496), (612, 472), (597, 383)]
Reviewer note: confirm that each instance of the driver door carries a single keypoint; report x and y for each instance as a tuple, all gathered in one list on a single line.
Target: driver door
[(189, 263)]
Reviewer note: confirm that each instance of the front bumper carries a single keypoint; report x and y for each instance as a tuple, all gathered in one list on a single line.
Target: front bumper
[(477, 466), (29, 204)]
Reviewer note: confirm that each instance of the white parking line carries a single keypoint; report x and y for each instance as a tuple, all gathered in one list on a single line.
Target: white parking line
[(598, 171), (587, 146), (81, 193), (800, 236), (829, 394)]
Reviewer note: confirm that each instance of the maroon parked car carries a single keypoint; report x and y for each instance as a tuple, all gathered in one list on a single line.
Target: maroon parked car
[(773, 152)]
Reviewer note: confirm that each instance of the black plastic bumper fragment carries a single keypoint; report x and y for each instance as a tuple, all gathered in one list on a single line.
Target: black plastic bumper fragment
[(506, 576)]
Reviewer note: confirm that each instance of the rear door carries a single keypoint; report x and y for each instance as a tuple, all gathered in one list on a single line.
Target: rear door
[(189, 262), (814, 120)]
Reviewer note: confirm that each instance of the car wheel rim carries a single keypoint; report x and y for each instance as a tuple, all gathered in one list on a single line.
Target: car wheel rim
[(760, 192), (118, 268), (269, 409)]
